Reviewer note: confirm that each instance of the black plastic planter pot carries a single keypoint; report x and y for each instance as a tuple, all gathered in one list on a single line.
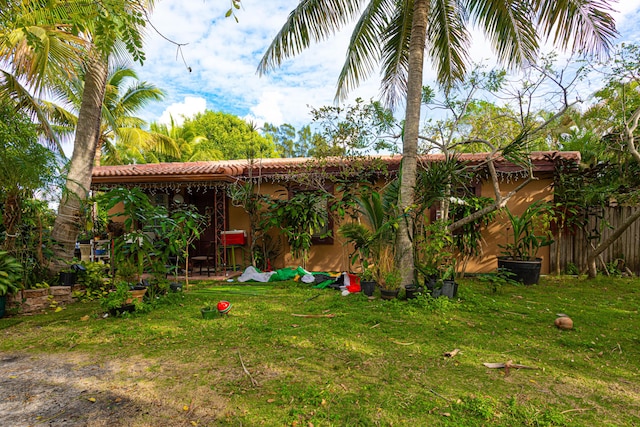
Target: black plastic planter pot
[(68, 278), (388, 293), (449, 289), (412, 291), (368, 288), (127, 308), (526, 272)]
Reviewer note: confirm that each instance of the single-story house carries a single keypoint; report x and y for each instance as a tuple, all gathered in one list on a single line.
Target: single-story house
[(204, 184)]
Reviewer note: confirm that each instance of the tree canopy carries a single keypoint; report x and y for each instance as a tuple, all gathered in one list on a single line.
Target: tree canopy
[(232, 136)]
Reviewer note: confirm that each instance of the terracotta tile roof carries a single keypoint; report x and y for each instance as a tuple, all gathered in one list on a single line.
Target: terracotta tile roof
[(230, 170)]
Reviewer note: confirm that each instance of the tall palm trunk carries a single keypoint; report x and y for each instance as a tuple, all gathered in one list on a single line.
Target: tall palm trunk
[(67, 225), (404, 240)]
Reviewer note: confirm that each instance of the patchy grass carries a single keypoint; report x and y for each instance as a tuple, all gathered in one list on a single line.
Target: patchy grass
[(374, 363)]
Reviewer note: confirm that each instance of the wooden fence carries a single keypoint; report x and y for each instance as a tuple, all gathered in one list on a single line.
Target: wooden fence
[(573, 248)]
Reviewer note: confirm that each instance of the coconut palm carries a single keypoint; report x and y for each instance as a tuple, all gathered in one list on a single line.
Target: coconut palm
[(193, 147), (394, 34), (105, 29), (28, 69), (124, 96)]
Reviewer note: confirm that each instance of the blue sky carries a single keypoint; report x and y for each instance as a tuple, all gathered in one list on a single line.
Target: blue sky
[(223, 56)]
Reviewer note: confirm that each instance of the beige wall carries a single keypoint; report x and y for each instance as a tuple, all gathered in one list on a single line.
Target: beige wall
[(322, 257), (496, 233), (336, 257)]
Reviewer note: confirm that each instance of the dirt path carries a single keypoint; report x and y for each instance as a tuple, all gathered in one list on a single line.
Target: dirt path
[(48, 390)]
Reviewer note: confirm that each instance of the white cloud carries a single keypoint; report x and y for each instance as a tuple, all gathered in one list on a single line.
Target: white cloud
[(181, 110), (224, 56), (267, 109)]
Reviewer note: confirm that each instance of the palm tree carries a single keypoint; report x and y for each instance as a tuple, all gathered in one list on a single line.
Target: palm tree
[(395, 34), (28, 71), (193, 147), (124, 96), (106, 29)]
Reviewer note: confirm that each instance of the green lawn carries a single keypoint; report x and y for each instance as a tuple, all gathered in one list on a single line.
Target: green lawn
[(374, 363)]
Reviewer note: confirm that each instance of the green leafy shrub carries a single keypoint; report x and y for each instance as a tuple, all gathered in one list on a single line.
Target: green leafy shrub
[(10, 274)]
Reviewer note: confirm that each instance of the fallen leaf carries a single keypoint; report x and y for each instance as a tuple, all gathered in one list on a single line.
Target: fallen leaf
[(59, 309), (401, 343), (270, 400), (452, 353), (91, 399), (85, 318), (185, 408), (194, 423), (446, 414), (507, 365)]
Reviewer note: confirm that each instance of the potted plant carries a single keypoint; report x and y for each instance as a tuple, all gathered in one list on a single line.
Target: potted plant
[(447, 284), (434, 255), (10, 274), (412, 291), (69, 274), (120, 300), (388, 275), (209, 311), (367, 281), (390, 284), (520, 253)]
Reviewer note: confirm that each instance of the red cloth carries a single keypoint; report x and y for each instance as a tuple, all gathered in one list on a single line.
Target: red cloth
[(352, 282)]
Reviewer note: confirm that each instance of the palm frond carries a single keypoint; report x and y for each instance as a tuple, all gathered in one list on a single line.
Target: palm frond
[(363, 54), (10, 88), (509, 25), (577, 24), (311, 21), (448, 40), (395, 54)]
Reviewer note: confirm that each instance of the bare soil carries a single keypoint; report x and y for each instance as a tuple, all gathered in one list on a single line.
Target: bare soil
[(71, 391)]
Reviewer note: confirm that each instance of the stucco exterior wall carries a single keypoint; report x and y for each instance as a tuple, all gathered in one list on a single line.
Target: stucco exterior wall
[(335, 257), (497, 233)]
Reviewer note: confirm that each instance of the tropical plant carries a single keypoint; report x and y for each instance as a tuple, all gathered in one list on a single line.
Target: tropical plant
[(10, 274), (378, 228), (92, 275), (367, 275), (116, 298), (192, 147), (120, 127), (136, 244), (300, 218), (26, 167), (434, 250), (394, 34), (386, 271), (179, 231), (91, 33), (524, 228)]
